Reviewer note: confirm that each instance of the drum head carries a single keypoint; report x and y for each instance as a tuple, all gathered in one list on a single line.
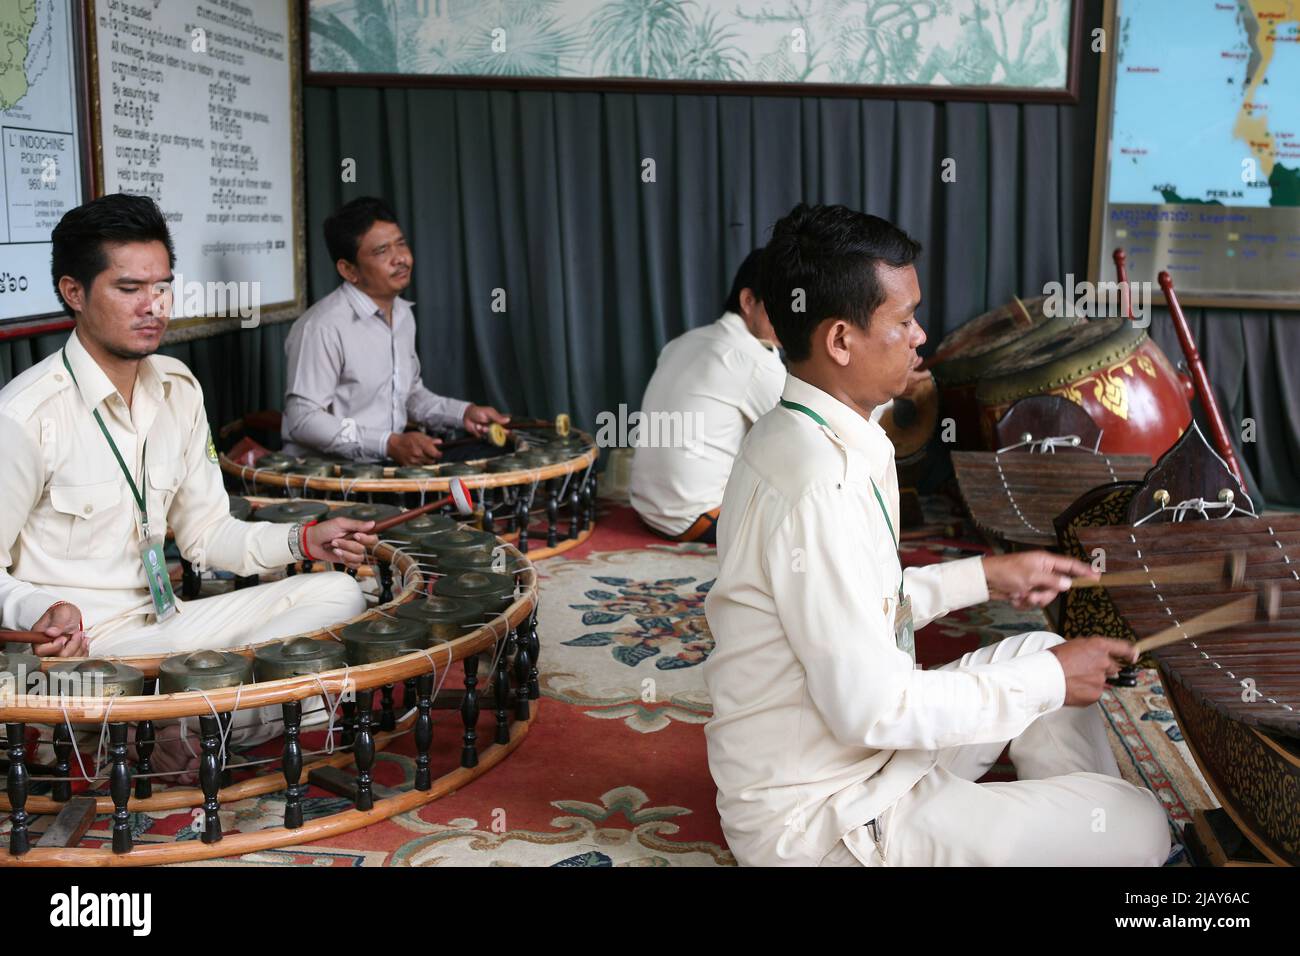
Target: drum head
[(967, 353), (1064, 356)]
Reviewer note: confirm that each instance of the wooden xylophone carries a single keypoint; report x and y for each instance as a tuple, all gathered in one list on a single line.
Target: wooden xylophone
[(1236, 693)]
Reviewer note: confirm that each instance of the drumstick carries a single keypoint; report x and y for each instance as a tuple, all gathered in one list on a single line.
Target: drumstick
[(1230, 571), (24, 637), (1262, 606), (459, 497)]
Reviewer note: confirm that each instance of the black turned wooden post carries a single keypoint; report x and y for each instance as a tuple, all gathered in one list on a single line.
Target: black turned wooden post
[(387, 719), (575, 509), (591, 499), (210, 777), (290, 570), (469, 713), (291, 764), (583, 487), (409, 691), (501, 687), (363, 750), (534, 656), (18, 784), (521, 519), (423, 731), (62, 790), (522, 664), (385, 582), (552, 515), (247, 581), (489, 513), (190, 581), (348, 722), (119, 786), (144, 742)]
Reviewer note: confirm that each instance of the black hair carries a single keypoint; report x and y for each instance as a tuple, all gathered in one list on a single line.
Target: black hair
[(823, 258), (746, 278), (77, 243), (351, 221)]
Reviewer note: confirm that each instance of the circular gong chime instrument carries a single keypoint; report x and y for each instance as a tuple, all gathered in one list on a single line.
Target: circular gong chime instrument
[(410, 641), (533, 481), (203, 670), (366, 642), (94, 677), (295, 657), (968, 353), (1107, 366), (494, 591)]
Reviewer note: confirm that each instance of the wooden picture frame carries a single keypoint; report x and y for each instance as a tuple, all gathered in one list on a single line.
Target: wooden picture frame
[(59, 321), (1099, 244), (185, 329), (1066, 94)]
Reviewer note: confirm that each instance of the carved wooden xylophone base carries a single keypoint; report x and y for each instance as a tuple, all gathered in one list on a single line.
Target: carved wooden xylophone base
[(234, 844), (1214, 840)]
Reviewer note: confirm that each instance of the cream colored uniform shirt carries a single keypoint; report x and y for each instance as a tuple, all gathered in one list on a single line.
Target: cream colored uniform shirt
[(725, 379), (69, 527), (820, 721)]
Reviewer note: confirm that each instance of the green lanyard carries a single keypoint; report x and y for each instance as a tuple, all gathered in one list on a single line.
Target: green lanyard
[(795, 406), (144, 464)]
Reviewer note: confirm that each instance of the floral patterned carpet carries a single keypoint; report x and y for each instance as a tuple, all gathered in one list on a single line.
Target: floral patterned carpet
[(614, 772)]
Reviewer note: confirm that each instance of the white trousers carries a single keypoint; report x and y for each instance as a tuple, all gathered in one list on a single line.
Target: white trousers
[(1068, 806), (292, 605)]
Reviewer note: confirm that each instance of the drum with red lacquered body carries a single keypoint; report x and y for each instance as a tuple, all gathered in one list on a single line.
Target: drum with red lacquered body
[(1119, 376)]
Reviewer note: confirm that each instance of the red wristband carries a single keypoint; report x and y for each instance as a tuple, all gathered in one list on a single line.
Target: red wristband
[(302, 541)]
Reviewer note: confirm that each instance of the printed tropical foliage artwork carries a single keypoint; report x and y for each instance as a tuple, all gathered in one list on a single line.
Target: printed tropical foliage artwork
[(1006, 43)]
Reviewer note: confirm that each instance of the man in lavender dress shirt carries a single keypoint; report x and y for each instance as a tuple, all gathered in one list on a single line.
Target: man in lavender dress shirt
[(354, 376)]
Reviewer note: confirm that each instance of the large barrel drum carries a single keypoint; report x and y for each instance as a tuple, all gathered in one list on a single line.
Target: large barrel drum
[(968, 352), (1112, 369)]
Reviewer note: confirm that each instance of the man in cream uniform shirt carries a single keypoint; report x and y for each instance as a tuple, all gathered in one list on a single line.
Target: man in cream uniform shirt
[(827, 745), (716, 381), (71, 530)]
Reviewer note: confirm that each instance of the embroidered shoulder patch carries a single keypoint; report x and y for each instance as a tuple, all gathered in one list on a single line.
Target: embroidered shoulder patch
[(212, 448)]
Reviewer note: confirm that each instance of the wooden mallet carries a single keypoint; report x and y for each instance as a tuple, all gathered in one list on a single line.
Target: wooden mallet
[(1229, 571), (460, 497), (1263, 605)]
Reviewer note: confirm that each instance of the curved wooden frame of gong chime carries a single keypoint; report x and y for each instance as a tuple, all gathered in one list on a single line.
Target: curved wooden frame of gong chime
[(582, 500), (362, 678)]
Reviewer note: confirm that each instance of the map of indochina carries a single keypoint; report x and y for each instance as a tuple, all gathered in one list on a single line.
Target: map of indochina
[(40, 148), (1207, 103), (16, 23)]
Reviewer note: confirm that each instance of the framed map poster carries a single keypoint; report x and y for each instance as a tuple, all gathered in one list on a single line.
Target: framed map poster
[(1198, 149), (43, 153), (1024, 50)]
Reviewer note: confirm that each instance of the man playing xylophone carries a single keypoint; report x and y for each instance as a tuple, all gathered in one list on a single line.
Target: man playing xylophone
[(107, 446), (354, 377), (827, 745)]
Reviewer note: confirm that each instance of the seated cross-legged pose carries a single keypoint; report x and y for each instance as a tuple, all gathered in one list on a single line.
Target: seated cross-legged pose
[(827, 744), (107, 445), (710, 384), (354, 376)]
